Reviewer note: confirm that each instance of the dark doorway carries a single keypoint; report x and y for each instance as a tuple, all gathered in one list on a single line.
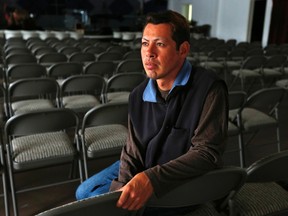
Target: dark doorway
[(258, 20)]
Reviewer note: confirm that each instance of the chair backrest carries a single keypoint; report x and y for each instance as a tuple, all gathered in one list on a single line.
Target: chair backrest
[(254, 62), (102, 68), (210, 186), (81, 57), (32, 87), (217, 54), (275, 61), (24, 70), (265, 100), (64, 69), (94, 50), (20, 58), (89, 83), (109, 113), (130, 65), (41, 122), (99, 205), (133, 54), (125, 81), (110, 56), (270, 168), (52, 58)]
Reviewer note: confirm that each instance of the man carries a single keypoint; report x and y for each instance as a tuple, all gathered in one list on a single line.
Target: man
[(177, 118)]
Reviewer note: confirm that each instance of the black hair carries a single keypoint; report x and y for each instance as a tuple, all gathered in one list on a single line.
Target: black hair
[(179, 25)]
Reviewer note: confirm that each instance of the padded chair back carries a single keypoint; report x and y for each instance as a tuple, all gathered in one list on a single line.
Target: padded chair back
[(236, 99), (100, 205), (211, 186)]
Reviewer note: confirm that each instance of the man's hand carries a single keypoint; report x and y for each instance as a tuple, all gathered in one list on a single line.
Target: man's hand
[(135, 193)]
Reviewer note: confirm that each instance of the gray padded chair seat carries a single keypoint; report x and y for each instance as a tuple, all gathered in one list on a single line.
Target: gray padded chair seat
[(246, 73), (31, 105), (102, 140), (282, 83), (267, 198), (80, 101), (31, 152), (252, 118), (118, 96)]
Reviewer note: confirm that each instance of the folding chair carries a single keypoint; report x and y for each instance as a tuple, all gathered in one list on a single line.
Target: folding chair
[(261, 194), (120, 85), (260, 111), (31, 94), (251, 68), (202, 191), (38, 140), (101, 205), (104, 131), (82, 92)]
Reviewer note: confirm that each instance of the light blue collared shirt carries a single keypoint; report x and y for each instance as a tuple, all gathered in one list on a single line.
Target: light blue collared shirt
[(182, 78)]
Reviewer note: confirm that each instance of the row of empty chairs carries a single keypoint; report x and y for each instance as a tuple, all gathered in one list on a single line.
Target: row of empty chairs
[(78, 92), (52, 137)]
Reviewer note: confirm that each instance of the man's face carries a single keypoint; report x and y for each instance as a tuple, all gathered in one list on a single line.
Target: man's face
[(160, 58)]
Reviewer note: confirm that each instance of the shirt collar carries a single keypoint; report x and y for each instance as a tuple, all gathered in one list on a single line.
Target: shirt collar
[(182, 78)]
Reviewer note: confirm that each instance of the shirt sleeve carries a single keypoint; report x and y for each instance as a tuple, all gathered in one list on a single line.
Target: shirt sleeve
[(205, 153)]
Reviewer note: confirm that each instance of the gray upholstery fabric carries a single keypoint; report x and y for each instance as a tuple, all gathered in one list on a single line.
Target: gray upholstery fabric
[(41, 147), (118, 96), (204, 210), (105, 138), (80, 101), (252, 118), (257, 199), (246, 73), (31, 105)]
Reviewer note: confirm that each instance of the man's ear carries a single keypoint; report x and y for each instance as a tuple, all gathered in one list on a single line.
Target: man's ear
[(184, 48)]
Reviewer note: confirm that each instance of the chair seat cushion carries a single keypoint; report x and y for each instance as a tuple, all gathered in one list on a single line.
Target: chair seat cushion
[(105, 139), (31, 105), (80, 101), (255, 199), (253, 119), (42, 149), (282, 83), (246, 73), (118, 96), (270, 72)]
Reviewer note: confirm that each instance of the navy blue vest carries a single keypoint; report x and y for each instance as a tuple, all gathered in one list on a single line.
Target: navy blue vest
[(164, 129)]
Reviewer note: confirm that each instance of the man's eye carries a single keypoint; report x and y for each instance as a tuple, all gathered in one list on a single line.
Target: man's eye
[(160, 44), (144, 44)]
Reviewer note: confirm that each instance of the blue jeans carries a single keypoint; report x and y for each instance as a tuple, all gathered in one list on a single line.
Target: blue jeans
[(98, 183)]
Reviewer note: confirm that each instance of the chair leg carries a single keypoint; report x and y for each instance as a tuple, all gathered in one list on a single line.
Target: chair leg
[(5, 193), (13, 192)]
